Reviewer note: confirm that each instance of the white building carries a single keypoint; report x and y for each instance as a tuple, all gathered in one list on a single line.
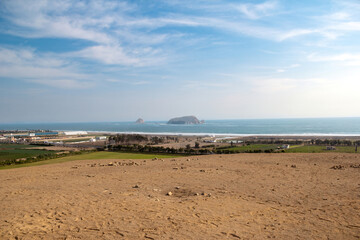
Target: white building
[(75, 133), (101, 138)]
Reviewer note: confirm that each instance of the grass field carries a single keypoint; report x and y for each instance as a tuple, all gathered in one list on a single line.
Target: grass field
[(16, 151), (92, 156), (76, 140), (252, 147), (292, 149), (320, 149)]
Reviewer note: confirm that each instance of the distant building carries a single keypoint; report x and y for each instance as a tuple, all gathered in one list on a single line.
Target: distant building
[(101, 138), (330, 148), (75, 133), (285, 146)]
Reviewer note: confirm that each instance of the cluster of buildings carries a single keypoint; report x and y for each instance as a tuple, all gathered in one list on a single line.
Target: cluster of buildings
[(38, 136)]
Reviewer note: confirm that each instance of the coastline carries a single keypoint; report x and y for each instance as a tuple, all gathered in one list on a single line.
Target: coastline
[(294, 135)]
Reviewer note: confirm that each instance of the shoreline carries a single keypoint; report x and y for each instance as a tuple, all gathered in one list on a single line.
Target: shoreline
[(231, 134)]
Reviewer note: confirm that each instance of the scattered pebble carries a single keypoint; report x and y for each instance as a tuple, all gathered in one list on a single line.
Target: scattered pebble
[(169, 194), (136, 186), (293, 166), (338, 167)]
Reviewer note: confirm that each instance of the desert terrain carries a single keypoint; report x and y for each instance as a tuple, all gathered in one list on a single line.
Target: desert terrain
[(237, 196)]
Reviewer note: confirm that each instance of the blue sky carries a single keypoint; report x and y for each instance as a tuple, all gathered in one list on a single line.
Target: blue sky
[(67, 61)]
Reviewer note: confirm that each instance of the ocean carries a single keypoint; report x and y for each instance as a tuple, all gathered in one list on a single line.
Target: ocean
[(242, 127)]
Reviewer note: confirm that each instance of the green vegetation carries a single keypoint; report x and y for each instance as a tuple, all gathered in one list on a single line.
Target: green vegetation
[(320, 149), (11, 152), (253, 147), (76, 140), (92, 156)]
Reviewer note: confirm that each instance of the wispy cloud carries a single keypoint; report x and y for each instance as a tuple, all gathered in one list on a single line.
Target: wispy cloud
[(132, 82), (26, 64), (63, 83), (204, 84), (255, 11), (284, 69), (350, 59)]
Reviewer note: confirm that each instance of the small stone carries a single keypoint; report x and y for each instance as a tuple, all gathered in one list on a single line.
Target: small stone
[(136, 186), (293, 166), (169, 194), (196, 194), (177, 187), (188, 160), (110, 164)]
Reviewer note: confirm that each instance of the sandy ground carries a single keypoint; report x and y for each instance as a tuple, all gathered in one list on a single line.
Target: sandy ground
[(244, 196)]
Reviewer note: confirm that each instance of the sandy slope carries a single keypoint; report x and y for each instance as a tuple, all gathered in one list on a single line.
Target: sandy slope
[(246, 196)]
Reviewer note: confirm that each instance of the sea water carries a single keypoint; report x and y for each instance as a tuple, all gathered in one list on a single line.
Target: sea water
[(242, 127)]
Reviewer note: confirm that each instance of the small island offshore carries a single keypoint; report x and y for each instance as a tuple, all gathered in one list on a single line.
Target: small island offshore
[(140, 121), (185, 120)]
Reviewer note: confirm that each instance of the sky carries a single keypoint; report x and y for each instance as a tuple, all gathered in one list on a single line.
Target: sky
[(88, 61)]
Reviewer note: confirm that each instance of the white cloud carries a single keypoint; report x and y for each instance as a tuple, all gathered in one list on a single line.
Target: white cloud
[(255, 11), (132, 82), (26, 64), (107, 55), (349, 59), (204, 84), (281, 70), (63, 83), (339, 16), (116, 55)]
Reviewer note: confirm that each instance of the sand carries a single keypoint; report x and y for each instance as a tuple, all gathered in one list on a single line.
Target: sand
[(243, 196)]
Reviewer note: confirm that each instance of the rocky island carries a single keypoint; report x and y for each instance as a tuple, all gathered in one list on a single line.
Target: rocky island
[(140, 121), (184, 120)]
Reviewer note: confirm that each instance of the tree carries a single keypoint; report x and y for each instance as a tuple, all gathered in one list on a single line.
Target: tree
[(197, 144)]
